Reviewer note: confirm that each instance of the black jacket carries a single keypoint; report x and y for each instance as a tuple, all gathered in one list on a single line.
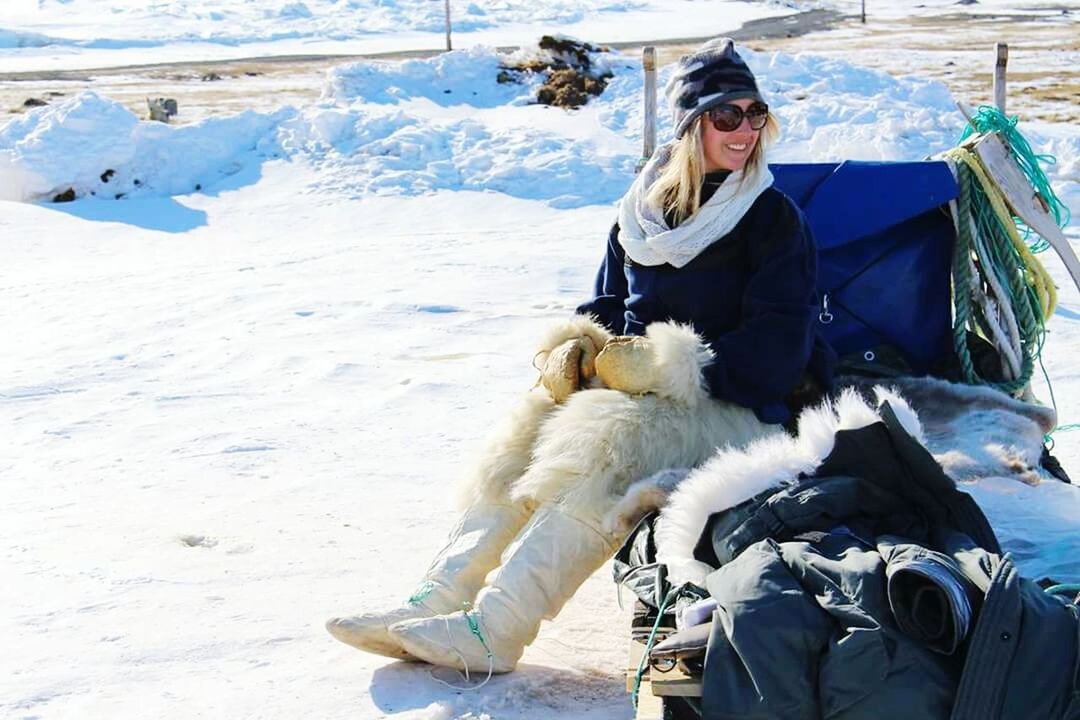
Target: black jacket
[(751, 295)]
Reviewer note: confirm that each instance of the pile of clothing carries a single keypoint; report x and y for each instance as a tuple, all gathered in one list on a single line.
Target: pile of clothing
[(841, 573)]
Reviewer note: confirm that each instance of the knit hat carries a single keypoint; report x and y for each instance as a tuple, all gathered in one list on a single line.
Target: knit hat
[(711, 75)]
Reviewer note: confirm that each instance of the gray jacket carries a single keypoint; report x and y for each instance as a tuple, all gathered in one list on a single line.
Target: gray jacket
[(876, 589)]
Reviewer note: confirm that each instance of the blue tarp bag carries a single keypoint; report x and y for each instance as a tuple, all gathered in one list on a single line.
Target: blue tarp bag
[(885, 241)]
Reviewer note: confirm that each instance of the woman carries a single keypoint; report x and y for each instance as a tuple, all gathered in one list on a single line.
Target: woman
[(714, 269)]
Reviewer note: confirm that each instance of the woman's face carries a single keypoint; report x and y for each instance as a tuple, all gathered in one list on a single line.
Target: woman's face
[(728, 150)]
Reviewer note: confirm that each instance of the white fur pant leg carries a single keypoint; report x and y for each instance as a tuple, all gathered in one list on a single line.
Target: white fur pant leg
[(591, 448), (506, 452), (587, 452)]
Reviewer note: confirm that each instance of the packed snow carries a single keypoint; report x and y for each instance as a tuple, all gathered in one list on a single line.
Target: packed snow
[(446, 123), (245, 366)]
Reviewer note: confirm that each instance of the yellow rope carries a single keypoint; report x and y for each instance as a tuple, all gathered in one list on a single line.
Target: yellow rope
[(1034, 272)]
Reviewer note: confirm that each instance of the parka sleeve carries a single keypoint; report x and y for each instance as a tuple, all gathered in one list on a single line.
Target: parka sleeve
[(764, 358), (608, 304)]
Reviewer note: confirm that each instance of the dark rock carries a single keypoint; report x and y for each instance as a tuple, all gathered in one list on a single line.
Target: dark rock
[(66, 196), (105, 176), (161, 109), (34, 102), (211, 77)]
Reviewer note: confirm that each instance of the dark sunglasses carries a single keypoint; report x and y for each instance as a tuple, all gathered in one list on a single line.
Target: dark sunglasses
[(726, 118)]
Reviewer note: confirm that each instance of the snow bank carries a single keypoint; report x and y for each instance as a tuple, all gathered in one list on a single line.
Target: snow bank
[(453, 78), (446, 123), (95, 146)]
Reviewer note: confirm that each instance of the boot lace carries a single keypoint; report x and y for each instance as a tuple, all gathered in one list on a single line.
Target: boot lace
[(421, 593), (472, 619)]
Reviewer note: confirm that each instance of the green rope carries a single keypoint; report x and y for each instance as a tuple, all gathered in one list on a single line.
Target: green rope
[(1002, 263), (474, 628), (643, 662), (1007, 265), (1064, 589), (988, 119), (421, 593), (962, 277)]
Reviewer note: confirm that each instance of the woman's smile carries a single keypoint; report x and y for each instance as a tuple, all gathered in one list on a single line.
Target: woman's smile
[(728, 150)]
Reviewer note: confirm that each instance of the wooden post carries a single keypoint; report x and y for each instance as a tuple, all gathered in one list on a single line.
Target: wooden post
[(648, 63), (1022, 198), (447, 4), (863, 12), (1002, 50)]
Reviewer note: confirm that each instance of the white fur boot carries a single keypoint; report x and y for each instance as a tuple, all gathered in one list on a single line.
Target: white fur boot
[(550, 559), (490, 521), (450, 583)]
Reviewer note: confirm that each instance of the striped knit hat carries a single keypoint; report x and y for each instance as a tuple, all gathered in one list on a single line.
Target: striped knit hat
[(711, 75)]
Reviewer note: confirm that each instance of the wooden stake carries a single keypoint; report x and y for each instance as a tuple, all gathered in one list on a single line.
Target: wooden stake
[(863, 12), (447, 4), (1022, 198), (648, 63), (1002, 50)]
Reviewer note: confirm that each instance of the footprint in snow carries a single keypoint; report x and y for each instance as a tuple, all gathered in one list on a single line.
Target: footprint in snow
[(197, 541)]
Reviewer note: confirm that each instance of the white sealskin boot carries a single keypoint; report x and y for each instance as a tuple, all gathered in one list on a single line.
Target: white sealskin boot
[(451, 582), (545, 565)]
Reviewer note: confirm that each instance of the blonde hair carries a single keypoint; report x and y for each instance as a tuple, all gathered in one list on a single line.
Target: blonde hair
[(677, 189)]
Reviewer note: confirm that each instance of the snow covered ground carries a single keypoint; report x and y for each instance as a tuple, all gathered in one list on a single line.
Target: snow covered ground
[(64, 34), (235, 398)]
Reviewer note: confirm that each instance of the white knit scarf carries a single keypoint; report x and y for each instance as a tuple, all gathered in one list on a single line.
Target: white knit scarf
[(643, 231)]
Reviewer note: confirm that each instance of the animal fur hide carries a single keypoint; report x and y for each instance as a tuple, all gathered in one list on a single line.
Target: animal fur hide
[(973, 432)]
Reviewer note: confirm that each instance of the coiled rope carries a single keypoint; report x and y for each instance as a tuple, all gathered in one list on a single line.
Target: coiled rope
[(1000, 289), (988, 119)]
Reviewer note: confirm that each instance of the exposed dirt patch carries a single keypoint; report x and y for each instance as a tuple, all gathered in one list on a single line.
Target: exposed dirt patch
[(260, 84), (570, 88), (571, 78), (1043, 71)]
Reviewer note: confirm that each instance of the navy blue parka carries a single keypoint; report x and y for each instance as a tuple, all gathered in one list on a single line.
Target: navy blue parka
[(751, 296)]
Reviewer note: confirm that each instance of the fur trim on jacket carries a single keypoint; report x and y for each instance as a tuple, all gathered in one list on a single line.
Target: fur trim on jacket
[(735, 475)]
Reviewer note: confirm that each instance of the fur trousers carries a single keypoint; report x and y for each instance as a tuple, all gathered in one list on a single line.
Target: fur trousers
[(585, 453)]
